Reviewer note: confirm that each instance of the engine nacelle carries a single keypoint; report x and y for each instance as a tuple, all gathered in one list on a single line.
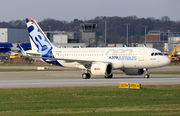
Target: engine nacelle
[(134, 71), (103, 69)]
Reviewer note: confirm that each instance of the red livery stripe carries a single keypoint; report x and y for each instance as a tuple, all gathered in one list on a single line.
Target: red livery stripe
[(97, 68)]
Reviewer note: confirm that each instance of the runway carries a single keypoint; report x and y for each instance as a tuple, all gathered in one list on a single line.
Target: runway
[(166, 68), (33, 79)]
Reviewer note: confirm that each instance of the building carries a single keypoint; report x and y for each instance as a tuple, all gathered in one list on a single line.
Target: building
[(64, 39), (153, 36), (71, 45), (88, 34), (14, 35), (66, 35), (172, 43), (5, 49), (157, 39)]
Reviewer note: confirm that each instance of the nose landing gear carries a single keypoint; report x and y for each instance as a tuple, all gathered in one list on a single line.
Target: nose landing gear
[(146, 75)]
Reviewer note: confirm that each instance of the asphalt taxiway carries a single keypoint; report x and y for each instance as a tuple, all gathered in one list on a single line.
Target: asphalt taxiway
[(33, 79), (166, 68)]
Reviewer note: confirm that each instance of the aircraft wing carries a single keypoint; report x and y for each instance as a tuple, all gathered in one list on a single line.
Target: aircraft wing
[(116, 63), (68, 60)]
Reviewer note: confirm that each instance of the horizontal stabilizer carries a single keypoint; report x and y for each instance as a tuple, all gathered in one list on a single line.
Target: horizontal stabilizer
[(33, 54)]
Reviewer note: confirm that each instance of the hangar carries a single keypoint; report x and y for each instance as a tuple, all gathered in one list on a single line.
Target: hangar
[(5, 49), (14, 35)]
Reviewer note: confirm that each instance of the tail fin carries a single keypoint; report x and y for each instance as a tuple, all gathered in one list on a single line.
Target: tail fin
[(38, 39)]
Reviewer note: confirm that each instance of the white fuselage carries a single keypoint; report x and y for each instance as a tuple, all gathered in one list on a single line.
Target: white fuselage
[(120, 57)]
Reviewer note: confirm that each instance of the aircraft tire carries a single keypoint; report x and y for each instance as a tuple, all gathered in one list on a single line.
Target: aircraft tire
[(86, 75), (110, 76), (146, 76)]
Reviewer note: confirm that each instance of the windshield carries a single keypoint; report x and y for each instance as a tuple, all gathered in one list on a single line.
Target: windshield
[(156, 54)]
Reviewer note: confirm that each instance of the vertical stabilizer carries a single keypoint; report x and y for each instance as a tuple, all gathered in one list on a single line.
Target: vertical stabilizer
[(38, 39)]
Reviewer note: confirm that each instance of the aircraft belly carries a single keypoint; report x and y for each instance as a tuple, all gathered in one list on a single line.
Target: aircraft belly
[(141, 64), (68, 64), (137, 64)]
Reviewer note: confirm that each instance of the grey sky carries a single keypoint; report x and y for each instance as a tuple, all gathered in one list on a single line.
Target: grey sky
[(68, 10)]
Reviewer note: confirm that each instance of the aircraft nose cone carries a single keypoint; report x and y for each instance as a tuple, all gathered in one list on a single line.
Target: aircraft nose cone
[(166, 61)]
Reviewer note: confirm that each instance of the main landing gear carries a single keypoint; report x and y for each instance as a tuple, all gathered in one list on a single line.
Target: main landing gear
[(146, 75), (108, 77), (86, 75)]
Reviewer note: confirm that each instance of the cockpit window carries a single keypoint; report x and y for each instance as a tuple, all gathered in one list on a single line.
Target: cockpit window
[(160, 54), (155, 54)]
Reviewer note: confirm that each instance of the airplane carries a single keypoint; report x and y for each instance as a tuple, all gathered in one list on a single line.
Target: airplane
[(94, 61)]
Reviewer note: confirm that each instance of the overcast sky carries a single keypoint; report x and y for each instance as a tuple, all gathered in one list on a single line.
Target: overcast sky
[(68, 10)]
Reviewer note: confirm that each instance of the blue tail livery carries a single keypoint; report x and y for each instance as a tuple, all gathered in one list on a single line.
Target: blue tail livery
[(39, 39)]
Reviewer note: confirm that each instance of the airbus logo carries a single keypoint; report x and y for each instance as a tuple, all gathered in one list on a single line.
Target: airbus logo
[(123, 57)]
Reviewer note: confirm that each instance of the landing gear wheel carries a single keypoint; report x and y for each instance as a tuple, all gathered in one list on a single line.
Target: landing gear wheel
[(146, 76), (86, 76), (110, 76)]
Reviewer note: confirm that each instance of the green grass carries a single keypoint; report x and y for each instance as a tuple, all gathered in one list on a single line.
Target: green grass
[(9, 64), (12, 70), (99, 101)]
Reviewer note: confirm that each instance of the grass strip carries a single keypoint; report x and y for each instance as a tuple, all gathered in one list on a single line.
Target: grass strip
[(6, 64), (98, 101), (15, 70)]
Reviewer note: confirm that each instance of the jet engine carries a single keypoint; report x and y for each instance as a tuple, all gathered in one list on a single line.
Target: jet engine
[(103, 69), (133, 71)]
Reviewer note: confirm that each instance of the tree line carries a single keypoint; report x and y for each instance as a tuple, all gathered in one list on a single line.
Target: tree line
[(116, 28)]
